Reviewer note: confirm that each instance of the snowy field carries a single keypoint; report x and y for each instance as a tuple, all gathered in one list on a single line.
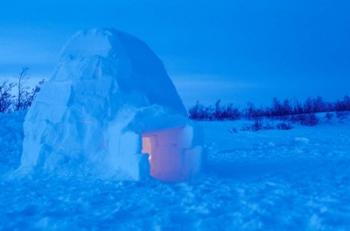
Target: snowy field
[(268, 180)]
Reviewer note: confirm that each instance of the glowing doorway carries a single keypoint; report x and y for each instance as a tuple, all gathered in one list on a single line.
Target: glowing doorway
[(171, 156)]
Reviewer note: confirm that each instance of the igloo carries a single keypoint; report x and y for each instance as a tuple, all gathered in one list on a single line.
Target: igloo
[(110, 110)]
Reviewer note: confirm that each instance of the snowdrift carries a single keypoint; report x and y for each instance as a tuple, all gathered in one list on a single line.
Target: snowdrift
[(107, 94)]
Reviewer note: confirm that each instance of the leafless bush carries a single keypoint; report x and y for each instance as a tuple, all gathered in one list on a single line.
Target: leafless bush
[(16, 96)]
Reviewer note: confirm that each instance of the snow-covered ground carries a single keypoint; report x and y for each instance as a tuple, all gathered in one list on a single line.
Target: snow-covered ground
[(267, 180)]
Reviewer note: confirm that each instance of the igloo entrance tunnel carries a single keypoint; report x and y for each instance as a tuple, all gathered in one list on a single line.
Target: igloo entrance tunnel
[(110, 110)]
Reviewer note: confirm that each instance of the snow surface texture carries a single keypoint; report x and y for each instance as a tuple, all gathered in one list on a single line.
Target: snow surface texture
[(269, 180), (107, 90)]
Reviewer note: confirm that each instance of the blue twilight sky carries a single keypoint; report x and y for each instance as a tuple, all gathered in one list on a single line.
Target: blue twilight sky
[(236, 50)]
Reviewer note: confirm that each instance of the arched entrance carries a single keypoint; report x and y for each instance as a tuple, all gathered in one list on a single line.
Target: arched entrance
[(171, 156)]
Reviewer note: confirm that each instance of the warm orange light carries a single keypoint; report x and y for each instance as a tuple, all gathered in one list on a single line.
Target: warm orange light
[(146, 145), (171, 156)]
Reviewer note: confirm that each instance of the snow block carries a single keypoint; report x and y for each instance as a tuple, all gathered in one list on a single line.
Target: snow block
[(107, 91)]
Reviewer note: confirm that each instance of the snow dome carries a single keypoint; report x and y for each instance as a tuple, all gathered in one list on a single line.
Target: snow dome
[(110, 110)]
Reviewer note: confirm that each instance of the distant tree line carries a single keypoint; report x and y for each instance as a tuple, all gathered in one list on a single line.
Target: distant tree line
[(293, 109), (15, 96)]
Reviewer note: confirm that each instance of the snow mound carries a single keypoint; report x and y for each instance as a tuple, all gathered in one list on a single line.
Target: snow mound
[(108, 88)]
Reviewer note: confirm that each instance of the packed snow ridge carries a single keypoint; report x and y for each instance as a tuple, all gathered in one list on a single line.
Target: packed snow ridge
[(108, 89)]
